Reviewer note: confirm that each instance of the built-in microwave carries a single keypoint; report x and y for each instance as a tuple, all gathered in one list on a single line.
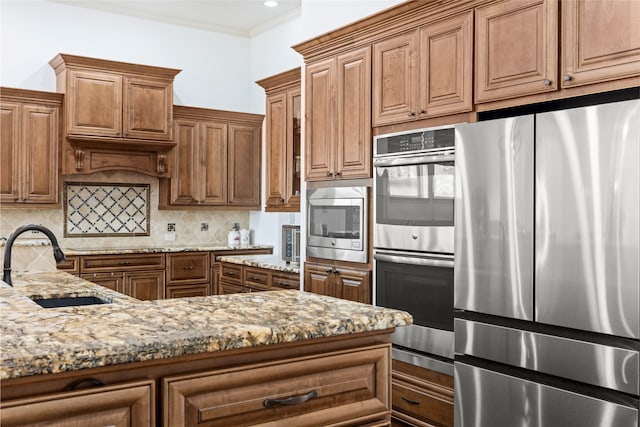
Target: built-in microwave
[(337, 223)]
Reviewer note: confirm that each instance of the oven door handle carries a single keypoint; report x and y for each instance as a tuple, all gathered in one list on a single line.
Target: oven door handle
[(415, 160), (445, 261)]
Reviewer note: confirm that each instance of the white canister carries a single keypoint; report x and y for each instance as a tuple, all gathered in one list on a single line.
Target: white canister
[(233, 238), (245, 237)]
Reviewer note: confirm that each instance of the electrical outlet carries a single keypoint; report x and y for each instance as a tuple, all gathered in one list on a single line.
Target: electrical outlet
[(204, 226), (171, 227)]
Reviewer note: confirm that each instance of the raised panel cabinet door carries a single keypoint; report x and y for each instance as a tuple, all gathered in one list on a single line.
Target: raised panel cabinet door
[(294, 149), (123, 405), (10, 152), (244, 166), (145, 285), (600, 40), (446, 66), (320, 113), (276, 147), (187, 268), (354, 285), (395, 79), (41, 142), (94, 103), (353, 145), (148, 108), (318, 279), (516, 49), (212, 163), (112, 280), (184, 187)]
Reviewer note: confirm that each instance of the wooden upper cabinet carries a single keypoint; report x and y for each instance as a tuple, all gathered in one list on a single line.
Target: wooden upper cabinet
[(395, 79), (216, 161), (425, 72), (29, 144), (600, 41), (283, 122), (516, 49), (338, 118), (148, 106)]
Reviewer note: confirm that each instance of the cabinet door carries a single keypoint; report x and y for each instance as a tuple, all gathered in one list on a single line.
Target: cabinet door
[(600, 41), (187, 268), (516, 48), (212, 163), (129, 404), (353, 144), (446, 66), (276, 146), (185, 175), (353, 285), (294, 166), (148, 108), (94, 103), (145, 285), (112, 280), (244, 166), (319, 120), (40, 142), (395, 80), (319, 279), (10, 152)]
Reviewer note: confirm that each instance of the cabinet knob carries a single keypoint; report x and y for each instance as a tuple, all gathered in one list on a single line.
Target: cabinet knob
[(329, 174), (547, 82), (335, 271), (337, 173), (328, 270), (421, 112), (411, 114), (567, 77)]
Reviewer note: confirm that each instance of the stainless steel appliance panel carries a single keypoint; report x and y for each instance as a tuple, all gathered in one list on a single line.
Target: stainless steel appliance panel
[(587, 221), (494, 217), (422, 361), (488, 398), (597, 364)]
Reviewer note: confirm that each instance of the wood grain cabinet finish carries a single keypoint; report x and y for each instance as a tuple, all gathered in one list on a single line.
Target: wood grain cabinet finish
[(338, 117), (117, 115), (216, 288), (425, 72), (188, 274), (516, 49), (420, 397), (600, 41), (113, 280), (29, 147), (216, 162), (123, 405), (342, 388), (347, 283), (236, 278)]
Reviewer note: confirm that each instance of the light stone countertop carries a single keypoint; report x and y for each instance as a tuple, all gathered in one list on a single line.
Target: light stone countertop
[(36, 340), (151, 250), (271, 262)]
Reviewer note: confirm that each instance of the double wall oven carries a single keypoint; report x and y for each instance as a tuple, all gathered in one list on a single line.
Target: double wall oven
[(413, 240)]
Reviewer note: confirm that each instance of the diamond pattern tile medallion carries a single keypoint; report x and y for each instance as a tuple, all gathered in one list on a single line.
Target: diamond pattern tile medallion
[(106, 210)]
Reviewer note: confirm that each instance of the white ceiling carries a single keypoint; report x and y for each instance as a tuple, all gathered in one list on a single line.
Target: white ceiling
[(238, 17)]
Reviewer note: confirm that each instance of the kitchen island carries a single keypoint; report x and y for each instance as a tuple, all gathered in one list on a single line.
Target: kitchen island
[(221, 360)]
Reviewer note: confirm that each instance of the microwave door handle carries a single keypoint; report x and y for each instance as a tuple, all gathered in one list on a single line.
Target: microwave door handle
[(426, 262), (402, 161)]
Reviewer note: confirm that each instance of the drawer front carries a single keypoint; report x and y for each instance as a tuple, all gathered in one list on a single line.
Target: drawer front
[(256, 278), (191, 267), (89, 264), (230, 288), (321, 390), (429, 405), (108, 405), (285, 281), (71, 265), (231, 273), (184, 291)]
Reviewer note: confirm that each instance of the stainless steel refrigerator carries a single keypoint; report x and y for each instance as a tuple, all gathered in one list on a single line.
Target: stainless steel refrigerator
[(547, 284)]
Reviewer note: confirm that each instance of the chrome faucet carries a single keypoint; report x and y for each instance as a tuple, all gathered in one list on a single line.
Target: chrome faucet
[(57, 252)]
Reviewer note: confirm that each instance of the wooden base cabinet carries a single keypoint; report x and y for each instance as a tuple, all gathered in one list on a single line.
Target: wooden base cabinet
[(236, 278), (123, 405), (420, 397), (340, 282), (29, 147), (187, 274), (343, 388)]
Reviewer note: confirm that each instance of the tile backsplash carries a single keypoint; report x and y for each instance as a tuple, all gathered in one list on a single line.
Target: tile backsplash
[(28, 255)]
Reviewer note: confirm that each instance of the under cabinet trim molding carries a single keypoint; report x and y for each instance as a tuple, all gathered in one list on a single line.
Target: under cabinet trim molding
[(106, 210)]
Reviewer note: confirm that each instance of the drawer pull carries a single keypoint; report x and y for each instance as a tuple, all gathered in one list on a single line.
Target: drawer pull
[(188, 267), (124, 263), (88, 381), (293, 400), (410, 401)]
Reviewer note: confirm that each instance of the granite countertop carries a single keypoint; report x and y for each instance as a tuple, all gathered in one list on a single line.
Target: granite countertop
[(150, 250), (38, 340), (272, 262)]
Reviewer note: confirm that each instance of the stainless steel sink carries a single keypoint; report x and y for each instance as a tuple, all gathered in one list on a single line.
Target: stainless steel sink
[(69, 301)]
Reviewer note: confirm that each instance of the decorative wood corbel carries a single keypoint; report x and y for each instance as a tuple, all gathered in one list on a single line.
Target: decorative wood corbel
[(79, 154), (162, 164)]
